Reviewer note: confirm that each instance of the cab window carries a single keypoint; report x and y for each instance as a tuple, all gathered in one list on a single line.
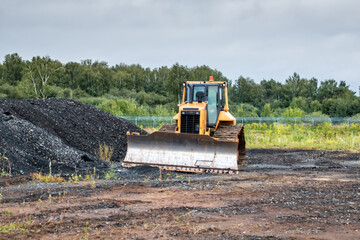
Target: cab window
[(187, 93), (198, 88)]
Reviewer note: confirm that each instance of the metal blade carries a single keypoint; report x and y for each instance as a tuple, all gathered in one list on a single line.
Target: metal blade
[(179, 149)]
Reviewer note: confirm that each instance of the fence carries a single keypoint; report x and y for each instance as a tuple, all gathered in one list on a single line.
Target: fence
[(157, 121)]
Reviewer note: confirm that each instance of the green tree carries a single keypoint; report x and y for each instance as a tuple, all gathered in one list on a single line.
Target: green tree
[(14, 66), (245, 90), (312, 88), (267, 111), (202, 73), (315, 106), (90, 81), (298, 87), (327, 89), (244, 110), (177, 75), (301, 103), (38, 74), (2, 73), (71, 77), (161, 77), (272, 90), (120, 79)]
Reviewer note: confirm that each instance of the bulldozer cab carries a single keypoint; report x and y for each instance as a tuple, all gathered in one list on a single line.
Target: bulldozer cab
[(210, 93), (204, 107)]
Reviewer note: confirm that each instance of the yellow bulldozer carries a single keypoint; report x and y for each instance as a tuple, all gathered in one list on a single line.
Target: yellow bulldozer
[(205, 137)]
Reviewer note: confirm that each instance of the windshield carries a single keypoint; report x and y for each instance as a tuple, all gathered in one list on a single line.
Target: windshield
[(198, 88)]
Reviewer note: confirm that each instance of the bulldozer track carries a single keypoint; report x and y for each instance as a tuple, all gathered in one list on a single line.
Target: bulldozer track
[(185, 169), (228, 133), (168, 128), (232, 133)]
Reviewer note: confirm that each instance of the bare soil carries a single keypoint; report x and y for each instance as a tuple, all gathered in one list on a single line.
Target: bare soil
[(280, 194)]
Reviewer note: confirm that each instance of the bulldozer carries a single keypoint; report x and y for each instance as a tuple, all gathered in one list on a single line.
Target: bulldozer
[(205, 137)]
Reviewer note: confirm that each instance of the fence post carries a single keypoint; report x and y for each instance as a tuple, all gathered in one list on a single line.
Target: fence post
[(135, 120)]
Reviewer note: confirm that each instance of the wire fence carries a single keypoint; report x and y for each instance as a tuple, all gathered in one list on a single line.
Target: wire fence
[(157, 121)]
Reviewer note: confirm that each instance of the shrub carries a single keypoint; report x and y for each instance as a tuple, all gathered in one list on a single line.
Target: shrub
[(8, 91), (46, 178), (293, 112), (104, 152), (5, 164)]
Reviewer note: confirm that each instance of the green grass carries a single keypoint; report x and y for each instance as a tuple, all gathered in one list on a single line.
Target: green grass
[(16, 227), (324, 136), (305, 136)]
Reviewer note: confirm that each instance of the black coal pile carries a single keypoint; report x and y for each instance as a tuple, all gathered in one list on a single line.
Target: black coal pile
[(65, 132)]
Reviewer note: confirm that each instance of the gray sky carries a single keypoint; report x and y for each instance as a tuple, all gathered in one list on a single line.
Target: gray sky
[(260, 39)]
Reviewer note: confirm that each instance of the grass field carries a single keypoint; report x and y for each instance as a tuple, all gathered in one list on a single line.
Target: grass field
[(305, 136), (324, 136)]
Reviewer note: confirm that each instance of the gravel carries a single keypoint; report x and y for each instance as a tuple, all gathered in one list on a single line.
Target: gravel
[(63, 131)]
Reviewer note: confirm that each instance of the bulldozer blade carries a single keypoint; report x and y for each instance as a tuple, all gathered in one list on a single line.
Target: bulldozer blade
[(184, 151)]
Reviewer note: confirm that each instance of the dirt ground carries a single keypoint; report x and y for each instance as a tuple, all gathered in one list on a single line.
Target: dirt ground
[(280, 194)]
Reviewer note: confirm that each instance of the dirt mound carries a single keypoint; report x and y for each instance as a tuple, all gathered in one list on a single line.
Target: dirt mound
[(66, 132)]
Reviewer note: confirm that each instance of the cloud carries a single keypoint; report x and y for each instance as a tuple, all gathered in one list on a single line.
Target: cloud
[(261, 39)]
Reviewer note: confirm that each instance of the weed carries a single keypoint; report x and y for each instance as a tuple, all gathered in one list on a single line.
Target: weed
[(16, 227), (91, 177), (167, 177), (86, 231), (75, 178), (5, 164), (110, 174), (38, 205), (204, 229), (7, 212), (46, 178), (186, 214), (160, 176), (104, 152)]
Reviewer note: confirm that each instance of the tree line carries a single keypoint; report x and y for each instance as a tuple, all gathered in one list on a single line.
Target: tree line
[(134, 90)]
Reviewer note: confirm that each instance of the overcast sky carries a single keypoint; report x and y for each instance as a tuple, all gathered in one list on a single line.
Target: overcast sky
[(260, 39)]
